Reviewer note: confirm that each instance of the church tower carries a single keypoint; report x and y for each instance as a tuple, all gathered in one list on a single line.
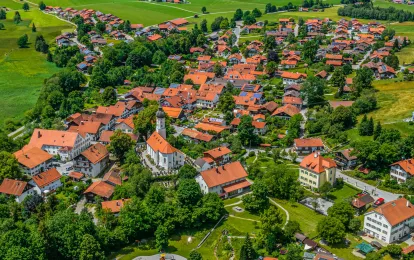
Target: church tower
[(160, 128)]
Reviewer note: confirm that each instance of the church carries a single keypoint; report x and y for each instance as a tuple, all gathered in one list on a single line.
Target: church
[(158, 148)]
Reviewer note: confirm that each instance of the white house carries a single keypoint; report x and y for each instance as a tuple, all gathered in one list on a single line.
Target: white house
[(292, 78), (402, 170), (33, 160), (390, 221), (206, 99), (226, 180), (126, 125), (158, 148), (92, 161), (67, 145), (316, 170), (47, 181), (17, 189)]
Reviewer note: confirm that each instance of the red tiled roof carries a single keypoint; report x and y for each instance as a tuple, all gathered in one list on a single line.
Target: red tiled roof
[(236, 186), (101, 189), (31, 157), (316, 163), (224, 174), (45, 178), (12, 187), (114, 206), (96, 153), (159, 144), (396, 211), (406, 165), (218, 152), (288, 109), (76, 175), (308, 142)]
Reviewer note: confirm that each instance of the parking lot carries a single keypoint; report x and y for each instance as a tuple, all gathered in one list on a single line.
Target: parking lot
[(322, 205)]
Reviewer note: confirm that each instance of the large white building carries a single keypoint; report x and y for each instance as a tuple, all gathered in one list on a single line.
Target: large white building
[(402, 170), (391, 221), (92, 161), (33, 160), (18, 190), (47, 181), (226, 180), (67, 145), (162, 153)]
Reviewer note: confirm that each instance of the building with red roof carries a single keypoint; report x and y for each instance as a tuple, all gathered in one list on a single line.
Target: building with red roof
[(315, 171), (227, 180), (286, 111), (47, 181), (402, 170), (92, 161), (17, 189), (220, 155), (33, 160), (308, 145), (114, 206)]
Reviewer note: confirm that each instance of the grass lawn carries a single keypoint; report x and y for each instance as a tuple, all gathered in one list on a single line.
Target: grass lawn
[(11, 4), (345, 192), (23, 70), (307, 218), (231, 201), (345, 251), (395, 101), (386, 4)]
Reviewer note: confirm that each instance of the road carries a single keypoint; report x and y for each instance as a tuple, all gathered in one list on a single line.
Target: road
[(374, 191), (358, 65)]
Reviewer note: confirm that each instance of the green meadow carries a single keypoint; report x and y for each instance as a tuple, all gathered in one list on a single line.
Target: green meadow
[(23, 70)]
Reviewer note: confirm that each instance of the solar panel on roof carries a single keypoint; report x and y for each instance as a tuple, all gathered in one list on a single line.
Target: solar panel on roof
[(257, 95), (159, 91), (243, 94), (174, 85)]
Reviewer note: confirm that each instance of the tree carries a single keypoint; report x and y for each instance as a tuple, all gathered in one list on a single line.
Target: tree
[(342, 211), (187, 172), (226, 102), (127, 26), (159, 57), (3, 14), (41, 45), (394, 250), (310, 48), (121, 143), (2, 26), (90, 249), (194, 255), (366, 127), (354, 225), (313, 91), (9, 166), (247, 251), (203, 9), (33, 28), (271, 67), (363, 80), (218, 70), (257, 201), (338, 80), (203, 26), (161, 237), (109, 96), (294, 251), (22, 41), (246, 131), (377, 131), (224, 24), (26, 7), (325, 189), (273, 56), (269, 43), (331, 230), (189, 192), (42, 5)]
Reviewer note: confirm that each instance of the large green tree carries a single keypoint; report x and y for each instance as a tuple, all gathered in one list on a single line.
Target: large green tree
[(342, 211), (9, 166), (90, 249), (247, 251), (331, 230), (189, 192), (313, 91), (121, 143)]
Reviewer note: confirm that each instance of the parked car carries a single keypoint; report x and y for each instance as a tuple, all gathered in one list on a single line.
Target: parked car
[(379, 202)]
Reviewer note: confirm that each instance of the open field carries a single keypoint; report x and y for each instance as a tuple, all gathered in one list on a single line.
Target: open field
[(153, 13), (386, 4), (395, 101), (11, 4), (23, 70)]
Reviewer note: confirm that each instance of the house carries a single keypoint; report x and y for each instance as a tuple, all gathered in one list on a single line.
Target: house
[(33, 160), (315, 170), (90, 130), (203, 164), (211, 128), (402, 170), (162, 153), (362, 202), (122, 109), (76, 176), (114, 206), (196, 136), (294, 101), (220, 155), (286, 112), (47, 181), (66, 145), (17, 189), (173, 112), (126, 125), (106, 137), (390, 221), (227, 180), (92, 161), (336, 104), (308, 145), (345, 159), (292, 78), (104, 188)]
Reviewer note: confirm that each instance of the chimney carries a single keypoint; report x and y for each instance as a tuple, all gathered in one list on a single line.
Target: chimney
[(408, 204), (39, 134), (217, 170), (315, 155)]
